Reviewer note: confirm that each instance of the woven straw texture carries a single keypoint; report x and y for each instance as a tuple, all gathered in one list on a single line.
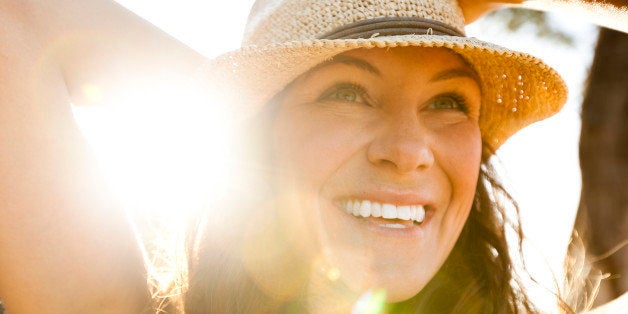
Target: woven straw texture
[(290, 20), (517, 89)]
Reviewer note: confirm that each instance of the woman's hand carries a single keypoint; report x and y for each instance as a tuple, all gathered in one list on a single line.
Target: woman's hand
[(612, 13), (474, 9)]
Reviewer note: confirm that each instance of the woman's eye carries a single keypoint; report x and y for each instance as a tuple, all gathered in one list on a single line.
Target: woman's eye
[(449, 102), (345, 93)]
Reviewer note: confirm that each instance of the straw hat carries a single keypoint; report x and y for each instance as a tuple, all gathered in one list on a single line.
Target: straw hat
[(285, 38)]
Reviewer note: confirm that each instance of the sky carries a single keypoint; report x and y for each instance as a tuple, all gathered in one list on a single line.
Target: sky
[(539, 164)]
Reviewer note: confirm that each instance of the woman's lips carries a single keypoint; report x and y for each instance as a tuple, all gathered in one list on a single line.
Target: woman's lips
[(386, 214)]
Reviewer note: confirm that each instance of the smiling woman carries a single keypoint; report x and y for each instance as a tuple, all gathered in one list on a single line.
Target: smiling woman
[(364, 181), (373, 128)]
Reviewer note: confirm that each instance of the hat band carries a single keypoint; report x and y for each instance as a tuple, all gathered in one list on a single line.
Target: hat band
[(390, 26)]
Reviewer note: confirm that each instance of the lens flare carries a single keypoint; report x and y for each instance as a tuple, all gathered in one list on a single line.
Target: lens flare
[(92, 93), (333, 274), (164, 153), (371, 302)]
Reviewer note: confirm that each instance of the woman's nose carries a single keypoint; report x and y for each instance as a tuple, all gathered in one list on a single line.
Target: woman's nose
[(403, 146)]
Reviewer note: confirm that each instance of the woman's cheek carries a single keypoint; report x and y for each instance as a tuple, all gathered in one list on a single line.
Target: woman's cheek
[(462, 146), (308, 148), (314, 145)]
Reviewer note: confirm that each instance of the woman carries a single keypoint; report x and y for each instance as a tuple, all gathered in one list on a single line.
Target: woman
[(377, 123), (341, 126)]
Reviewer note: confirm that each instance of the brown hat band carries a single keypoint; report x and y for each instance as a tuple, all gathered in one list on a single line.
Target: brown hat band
[(390, 26)]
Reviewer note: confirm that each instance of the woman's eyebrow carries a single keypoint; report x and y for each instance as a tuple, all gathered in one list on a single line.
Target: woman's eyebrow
[(455, 73), (349, 61)]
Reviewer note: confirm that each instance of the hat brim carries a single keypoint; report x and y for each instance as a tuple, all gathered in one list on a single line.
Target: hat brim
[(518, 89)]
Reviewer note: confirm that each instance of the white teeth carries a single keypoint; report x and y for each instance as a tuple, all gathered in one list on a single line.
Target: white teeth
[(403, 212), (356, 208), (420, 214), (367, 208), (348, 207), (389, 211), (376, 210)]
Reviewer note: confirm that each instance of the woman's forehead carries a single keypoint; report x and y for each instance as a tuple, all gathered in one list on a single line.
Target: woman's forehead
[(430, 63), (426, 58)]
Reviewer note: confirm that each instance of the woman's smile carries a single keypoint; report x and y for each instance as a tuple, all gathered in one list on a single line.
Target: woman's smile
[(386, 219), (414, 214), (403, 212)]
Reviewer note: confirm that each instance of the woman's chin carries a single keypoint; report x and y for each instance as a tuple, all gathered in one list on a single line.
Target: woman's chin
[(340, 290), (394, 292), (367, 257), (394, 285)]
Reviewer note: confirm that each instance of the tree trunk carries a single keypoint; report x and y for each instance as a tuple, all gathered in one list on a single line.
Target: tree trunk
[(603, 213)]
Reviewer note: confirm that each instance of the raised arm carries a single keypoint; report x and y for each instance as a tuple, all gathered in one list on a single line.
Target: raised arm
[(474, 9), (65, 243), (610, 13), (100, 43)]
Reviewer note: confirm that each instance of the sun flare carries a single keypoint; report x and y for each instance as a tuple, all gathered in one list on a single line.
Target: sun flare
[(163, 154)]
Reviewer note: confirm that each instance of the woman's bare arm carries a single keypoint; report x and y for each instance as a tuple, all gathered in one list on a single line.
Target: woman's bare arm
[(610, 13), (100, 43), (65, 243), (474, 9)]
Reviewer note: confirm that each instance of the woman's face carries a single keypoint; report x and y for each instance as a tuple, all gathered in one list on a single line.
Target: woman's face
[(377, 155)]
